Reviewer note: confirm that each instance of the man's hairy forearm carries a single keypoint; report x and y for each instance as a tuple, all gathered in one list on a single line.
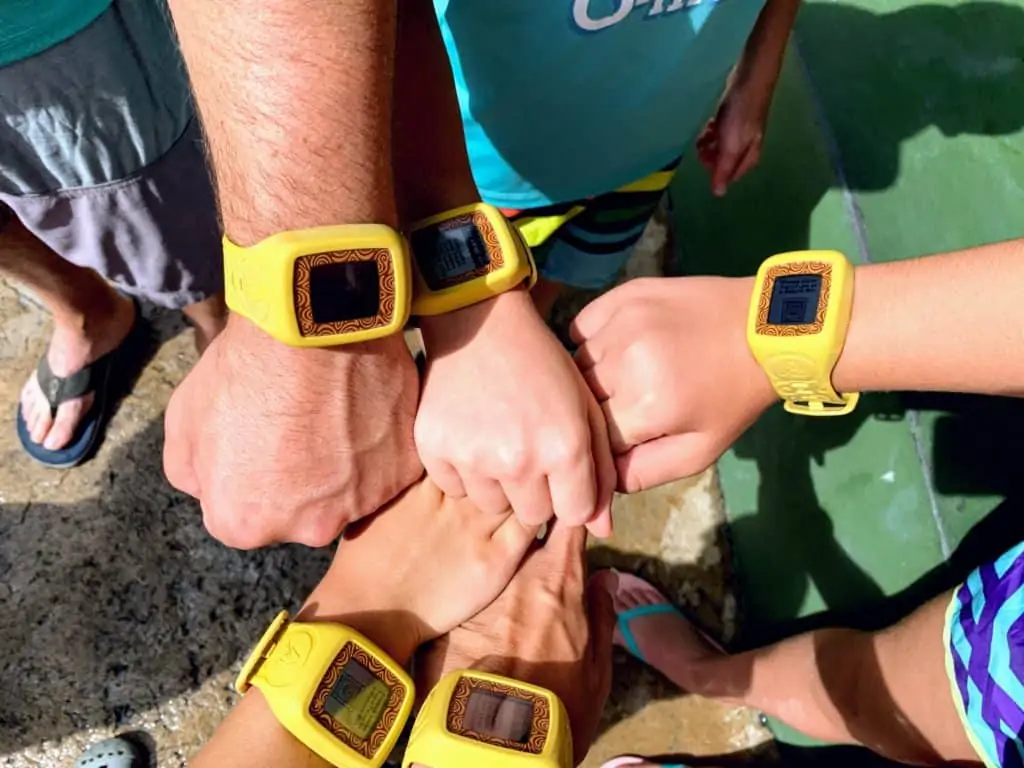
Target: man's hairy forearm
[(295, 98)]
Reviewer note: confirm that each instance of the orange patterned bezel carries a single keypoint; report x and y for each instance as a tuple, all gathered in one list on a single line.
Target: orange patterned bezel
[(490, 237), (539, 726), (304, 302), (369, 746), (764, 301)]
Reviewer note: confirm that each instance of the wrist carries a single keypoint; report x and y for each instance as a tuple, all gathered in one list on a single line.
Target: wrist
[(761, 391), (254, 345), (397, 631), (859, 368), (452, 330)]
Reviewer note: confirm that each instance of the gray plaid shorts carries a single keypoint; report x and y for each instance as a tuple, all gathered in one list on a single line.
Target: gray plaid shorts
[(102, 159)]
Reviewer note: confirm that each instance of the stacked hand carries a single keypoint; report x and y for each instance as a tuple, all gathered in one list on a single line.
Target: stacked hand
[(283, 444), (547, 628), (419, 568), (506, 420), (668, 361)]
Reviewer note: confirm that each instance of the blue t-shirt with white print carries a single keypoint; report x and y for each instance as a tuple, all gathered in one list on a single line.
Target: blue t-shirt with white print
[(565, 99)]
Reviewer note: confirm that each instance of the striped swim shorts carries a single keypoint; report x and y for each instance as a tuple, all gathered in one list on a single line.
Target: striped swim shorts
[(985, 658), (586, 243)]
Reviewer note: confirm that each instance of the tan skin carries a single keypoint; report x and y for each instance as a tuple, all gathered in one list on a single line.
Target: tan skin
[(457, 563), (545, 628), (949, 323), (90, 319), (315, 439), (885, 690)]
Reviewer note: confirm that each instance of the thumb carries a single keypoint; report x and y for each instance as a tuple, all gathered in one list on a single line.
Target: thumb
[(661, 461)]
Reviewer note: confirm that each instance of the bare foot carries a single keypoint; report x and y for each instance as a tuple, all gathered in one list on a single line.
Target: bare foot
[(75, 343), (667, 641)]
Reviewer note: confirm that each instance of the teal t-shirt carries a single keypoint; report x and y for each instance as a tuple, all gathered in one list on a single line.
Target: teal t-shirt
[(28, 27), (564, 99)]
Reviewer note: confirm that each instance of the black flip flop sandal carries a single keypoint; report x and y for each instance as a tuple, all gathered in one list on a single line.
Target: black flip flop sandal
[(98, 377)]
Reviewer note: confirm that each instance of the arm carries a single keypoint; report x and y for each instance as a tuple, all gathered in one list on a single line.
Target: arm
[(296, 102), (951, 323), (766, 46), (251, 735), (295, 98), (730, 145), (504, 417), (435, 562)]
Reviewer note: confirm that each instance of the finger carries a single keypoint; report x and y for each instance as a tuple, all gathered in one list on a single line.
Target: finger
[(486, 494), (727, 162), (600, 524), (750, 159), (574, 491), (531, 500), (178, 466), (616, 440), (707, 145), (589, 354), (444, 476), (598, 381), (660, 461), (593, 317), (513, 540)]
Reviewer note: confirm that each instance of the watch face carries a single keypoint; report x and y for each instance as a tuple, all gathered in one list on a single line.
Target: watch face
[(358, 700), (456, 251), (499, 715), (342, 292), (795, 300)]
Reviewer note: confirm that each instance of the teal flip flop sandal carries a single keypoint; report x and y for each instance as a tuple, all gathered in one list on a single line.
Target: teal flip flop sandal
[(625, 618)]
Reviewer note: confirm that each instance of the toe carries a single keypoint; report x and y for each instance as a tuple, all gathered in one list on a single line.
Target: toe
[(42, 420), (634, 592), (69, 415)]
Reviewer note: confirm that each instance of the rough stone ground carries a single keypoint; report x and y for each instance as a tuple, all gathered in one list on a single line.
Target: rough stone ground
[(118, 612)]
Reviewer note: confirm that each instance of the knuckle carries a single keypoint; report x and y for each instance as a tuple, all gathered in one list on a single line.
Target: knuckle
[(514, 460), (319, 532), (232, 530), (567, 449)]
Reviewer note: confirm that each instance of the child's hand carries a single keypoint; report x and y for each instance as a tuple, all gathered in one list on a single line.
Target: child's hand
[(506, 419), (419, 568), (667, 359), (730, 144)]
